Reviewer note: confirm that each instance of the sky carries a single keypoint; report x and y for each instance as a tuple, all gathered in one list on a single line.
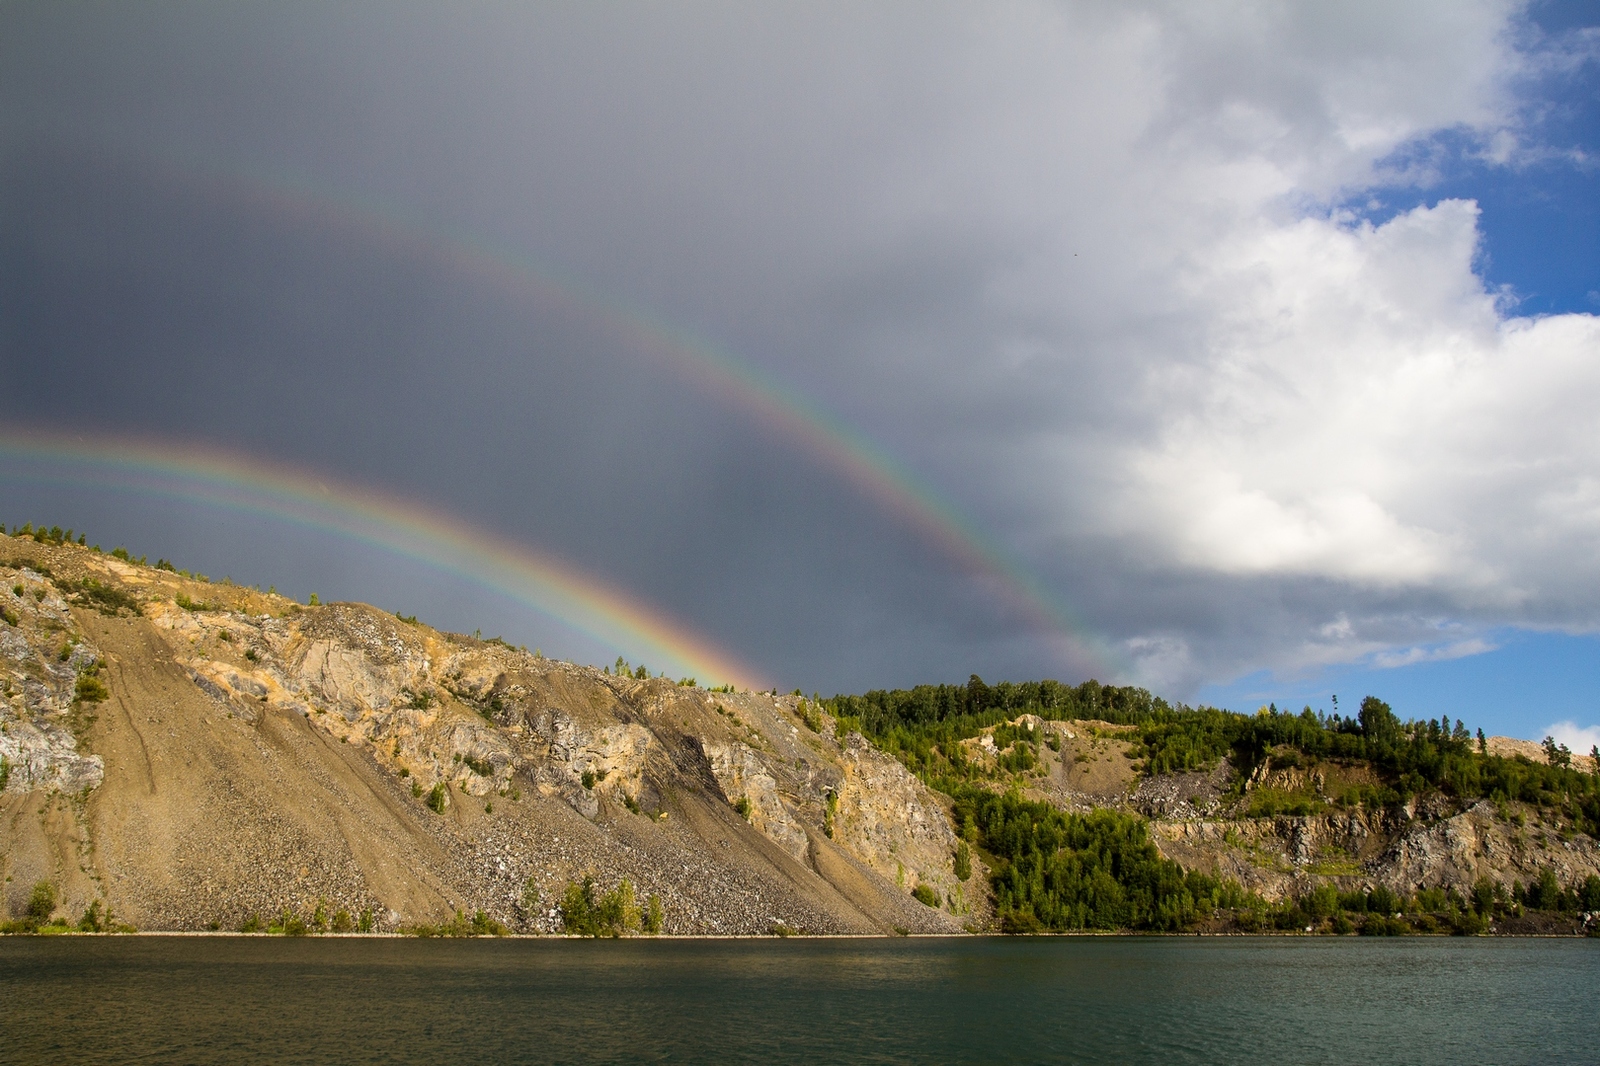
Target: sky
[(1248, 352)]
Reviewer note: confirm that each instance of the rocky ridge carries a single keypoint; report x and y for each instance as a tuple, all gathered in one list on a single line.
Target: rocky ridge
[(253, 754)]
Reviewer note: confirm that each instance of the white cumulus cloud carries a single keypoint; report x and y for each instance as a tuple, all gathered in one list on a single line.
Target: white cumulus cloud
[(1580, 739)]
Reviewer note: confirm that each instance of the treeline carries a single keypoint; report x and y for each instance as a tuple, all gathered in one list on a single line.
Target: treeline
[(54, 536), (923, 727), (1413, 756)]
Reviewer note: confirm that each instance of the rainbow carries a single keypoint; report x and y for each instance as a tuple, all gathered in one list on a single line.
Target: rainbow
[(402, 528), (735, 382)]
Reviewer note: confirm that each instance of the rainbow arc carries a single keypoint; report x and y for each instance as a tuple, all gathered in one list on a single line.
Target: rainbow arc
[(404, 529)]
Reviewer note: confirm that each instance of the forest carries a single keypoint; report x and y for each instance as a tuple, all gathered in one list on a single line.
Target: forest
[(1053, 870)]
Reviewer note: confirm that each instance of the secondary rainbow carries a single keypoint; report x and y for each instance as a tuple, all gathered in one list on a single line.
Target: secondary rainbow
[(403, 528), (778, 409)]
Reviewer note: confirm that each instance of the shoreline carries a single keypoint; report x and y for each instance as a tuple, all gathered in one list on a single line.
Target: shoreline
[(1076, 934)]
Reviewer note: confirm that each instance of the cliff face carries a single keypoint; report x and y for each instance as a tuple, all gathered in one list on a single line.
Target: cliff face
[(1426, 845), (251, 755)]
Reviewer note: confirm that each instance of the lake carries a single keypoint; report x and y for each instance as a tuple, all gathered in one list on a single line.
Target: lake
[(960, 1000)]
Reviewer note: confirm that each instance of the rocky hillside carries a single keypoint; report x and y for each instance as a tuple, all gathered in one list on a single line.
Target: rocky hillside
[(1203, 821), (186, 754), (195, 755)]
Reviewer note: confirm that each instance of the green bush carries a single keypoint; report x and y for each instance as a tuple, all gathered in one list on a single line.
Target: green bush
[(1378, 925), (925, 895), (612, 914), (438, 797), (41, 901), (742, 805), (94, 919), (289, 924), (90, 689), (1382, 900)]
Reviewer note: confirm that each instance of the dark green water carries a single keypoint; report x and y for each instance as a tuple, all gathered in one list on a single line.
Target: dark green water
[(1112, 1000)]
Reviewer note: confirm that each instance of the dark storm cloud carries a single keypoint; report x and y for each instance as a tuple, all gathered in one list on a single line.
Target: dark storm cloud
[(213, 320), (1069, 264)]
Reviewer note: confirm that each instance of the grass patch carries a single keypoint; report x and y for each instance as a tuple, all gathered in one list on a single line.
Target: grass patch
[(107, 599)]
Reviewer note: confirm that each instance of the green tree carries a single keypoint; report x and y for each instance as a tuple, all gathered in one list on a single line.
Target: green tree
[(1378, 722), (1483, 894), (612, 914), (577, 908), (1556, 754), (963, 861), (42, 901)]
